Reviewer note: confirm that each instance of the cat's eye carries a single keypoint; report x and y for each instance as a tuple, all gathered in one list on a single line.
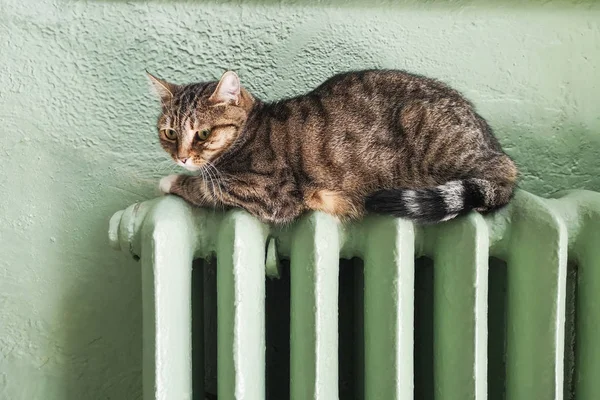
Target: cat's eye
[(203, 134), (170, 134)]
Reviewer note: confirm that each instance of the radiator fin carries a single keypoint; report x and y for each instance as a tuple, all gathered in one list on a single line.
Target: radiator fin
[(388, 308), (241, 308), (314, 269), (460, 282), (536, 281)]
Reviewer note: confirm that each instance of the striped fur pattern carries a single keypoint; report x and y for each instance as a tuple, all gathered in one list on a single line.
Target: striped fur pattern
[(439, 203), (384, 141)]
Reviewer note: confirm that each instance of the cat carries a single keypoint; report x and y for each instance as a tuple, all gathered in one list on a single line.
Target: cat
[(381, 141)]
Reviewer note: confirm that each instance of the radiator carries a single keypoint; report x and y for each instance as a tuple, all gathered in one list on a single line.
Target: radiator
[(540, 240)]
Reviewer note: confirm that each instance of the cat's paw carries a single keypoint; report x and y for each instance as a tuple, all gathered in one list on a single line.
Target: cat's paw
[(166, 183)]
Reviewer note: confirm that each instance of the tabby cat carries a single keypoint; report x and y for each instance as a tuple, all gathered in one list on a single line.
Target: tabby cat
[(385, 141)]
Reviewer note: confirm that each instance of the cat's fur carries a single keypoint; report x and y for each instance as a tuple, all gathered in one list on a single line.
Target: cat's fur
[(379, 140)]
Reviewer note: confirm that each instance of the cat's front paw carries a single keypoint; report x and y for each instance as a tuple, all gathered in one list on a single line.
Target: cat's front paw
[(166, 183)]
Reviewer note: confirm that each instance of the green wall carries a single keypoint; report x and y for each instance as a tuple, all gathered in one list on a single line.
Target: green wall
[(78, 143)]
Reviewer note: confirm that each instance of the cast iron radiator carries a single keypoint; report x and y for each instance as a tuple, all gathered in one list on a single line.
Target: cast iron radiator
[(539, 240)]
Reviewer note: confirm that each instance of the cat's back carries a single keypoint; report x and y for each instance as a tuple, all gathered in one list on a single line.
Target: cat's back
[(387, 83)]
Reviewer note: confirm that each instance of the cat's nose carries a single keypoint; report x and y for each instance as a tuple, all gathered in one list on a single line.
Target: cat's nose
[(183, 160)]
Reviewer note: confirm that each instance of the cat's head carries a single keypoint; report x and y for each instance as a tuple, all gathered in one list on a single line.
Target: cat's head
[(200, 121)]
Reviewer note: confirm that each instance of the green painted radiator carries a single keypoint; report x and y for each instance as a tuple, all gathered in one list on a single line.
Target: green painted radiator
[(537, 238)]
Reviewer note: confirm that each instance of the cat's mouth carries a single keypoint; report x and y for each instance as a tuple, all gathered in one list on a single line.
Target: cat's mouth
[(188, 165)]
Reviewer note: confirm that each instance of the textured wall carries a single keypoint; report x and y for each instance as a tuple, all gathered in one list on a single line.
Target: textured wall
[(77, 139)]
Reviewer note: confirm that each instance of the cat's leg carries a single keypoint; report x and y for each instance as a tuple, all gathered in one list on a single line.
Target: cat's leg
[(192, 189), (342, 205), (166, 183)]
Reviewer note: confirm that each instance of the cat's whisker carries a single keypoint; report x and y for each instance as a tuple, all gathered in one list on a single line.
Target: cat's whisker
[(165, 166), (165, 162), (218, 172), (204, 178), (212, 182), (207, 176), (218, 180), (218, 177)]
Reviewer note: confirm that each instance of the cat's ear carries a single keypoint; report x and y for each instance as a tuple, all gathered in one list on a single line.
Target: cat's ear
[(228, 90), (163, 88)]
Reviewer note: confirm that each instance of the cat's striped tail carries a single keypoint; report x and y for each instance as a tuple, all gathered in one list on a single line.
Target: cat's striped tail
[(441, 203)]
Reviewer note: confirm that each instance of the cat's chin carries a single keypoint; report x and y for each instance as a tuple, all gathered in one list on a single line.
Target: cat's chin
[(192, 168)]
